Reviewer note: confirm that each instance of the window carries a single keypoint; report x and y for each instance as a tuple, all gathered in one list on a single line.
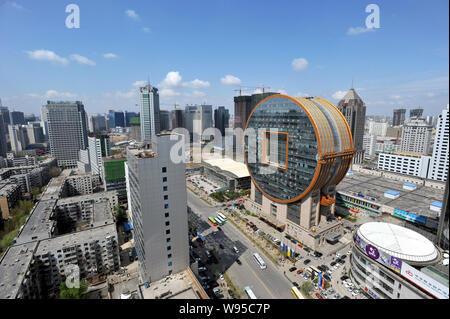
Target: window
[(169, 264), (164, 169), (166, 206), (166, 197), (167, 223), (166, 215), (164, 188), (168, 240), (169, 256), (167, 231), (169, 247), (164, 179)]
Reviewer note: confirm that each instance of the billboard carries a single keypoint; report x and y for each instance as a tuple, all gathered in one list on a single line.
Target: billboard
[(410, 217), (410, 273)]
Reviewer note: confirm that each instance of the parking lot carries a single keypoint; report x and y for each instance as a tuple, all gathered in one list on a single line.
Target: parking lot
[(202, 183)]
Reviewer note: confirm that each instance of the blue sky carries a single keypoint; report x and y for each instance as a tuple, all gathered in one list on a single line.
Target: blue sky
[(199, 51)]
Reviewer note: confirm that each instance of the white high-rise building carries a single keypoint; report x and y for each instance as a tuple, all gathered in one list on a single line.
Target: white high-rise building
[(99, 147), (18, 137), (416, 136), (403, 163), (369, 145), (378, 128), (197, 119), (67, 130), (439, 160), (149, 116), (157, 192)]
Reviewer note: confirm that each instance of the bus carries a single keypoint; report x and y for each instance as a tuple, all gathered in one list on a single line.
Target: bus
[(249, 293), (296, 293), (222, 216), (212, 221), (220, 220), (260, 261)]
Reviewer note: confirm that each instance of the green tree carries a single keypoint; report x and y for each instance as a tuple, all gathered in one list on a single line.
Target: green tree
[(120, 214), (35, 192), (73, 293)]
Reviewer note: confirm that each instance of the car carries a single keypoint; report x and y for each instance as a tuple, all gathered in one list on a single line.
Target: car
[(306, 249), (350, 289), (238, 262), (205, 278), (208, 253), (236, 250), (349, 252), (355, 293), (327, 277), (221, 246), (338, 255), (307, 261), (344, 278), (332, 263), (219, 229), (205, 286), (331, 291), (217, 290), (316, 286), (336, 296), (202, 269), (342, 262), (230, 292), (295, 284), (319, 295), (302, 275), (221, 277), (299, 271), (292, 269)]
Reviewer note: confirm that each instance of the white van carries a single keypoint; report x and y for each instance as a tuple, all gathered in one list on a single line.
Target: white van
[(236, 250)]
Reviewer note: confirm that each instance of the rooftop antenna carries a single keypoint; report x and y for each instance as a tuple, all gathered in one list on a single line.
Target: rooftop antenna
[(148, 79), (352, 83)]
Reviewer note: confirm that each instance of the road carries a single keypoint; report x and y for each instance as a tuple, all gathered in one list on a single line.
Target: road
[(268, 283)]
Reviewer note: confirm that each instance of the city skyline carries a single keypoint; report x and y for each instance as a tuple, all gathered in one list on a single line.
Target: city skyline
[(199, 64)]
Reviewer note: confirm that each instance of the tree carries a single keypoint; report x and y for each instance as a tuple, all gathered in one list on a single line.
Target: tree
[(73, 293), (35, 192), (121, 215)]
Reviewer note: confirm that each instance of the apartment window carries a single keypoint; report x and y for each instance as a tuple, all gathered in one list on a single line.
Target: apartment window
[(169, 247), (166, 215), (169, 256), (169, 264), (167, 231), (167, 223), (168, 240), (166, 197), (164, 169), (164, 188), (164, 179), (166, 206)]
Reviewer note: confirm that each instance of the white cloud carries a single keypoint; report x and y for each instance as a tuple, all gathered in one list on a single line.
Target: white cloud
[(281, 91), (168, 92), (230, 80), (139, 84), (338, 95), (132, 14), (172, 80), (127, 95), (198, 93), (396, 97), (301, 94), (359, 30), (195, 84), (110, 56), (299, 64), (81, 59), (146, 30), (14, 5), (46, 55), (53, 93)]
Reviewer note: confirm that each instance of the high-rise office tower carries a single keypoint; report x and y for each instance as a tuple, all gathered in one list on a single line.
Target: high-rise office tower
[(149, 115), (439, 160), (16, 117), (67, 130), (416, 136), (99, 147), (157, 189), (221, 119), (3, 132), (116, 119), (243, 106), (18, 137), (354, 110), (35, 133), (97, 123), (30, 118), (399, 117), (197, 119), (164, 120), (177, 117)]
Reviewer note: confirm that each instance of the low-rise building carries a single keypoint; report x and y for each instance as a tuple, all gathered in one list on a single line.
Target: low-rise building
[(9, 195), (227, 173)]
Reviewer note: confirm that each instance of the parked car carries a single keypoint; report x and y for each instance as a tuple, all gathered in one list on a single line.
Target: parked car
[(292, 269), (236, 250), (218, 228), (307, 261), (202, 269), (295, 284), (319, 295), (299, 271), (217, 290), (230, 292), (238, 262)]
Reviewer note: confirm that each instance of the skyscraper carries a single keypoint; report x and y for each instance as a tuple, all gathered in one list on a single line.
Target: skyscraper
[(128, 116), (16, 117), (416, 136), (399, 117), (164, 120), (18, 137), (97, 123), (3, 132), (177, 118), (221, 119), (67, 130), (197, 119), (440, 158), (99, 147), (354, 110), (35, 133), (243, 106), (116, 119), (149, 98), (157, 189)]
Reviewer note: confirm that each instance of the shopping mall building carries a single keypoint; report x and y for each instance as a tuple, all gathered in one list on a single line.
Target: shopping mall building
[(392, 262), (297, 150)]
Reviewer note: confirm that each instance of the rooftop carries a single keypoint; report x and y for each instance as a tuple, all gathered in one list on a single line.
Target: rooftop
[(398, 241), (415, 201), (238, 169)]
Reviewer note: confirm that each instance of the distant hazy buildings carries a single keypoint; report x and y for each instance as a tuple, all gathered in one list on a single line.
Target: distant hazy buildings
[(115, 119), (18, 137), (164, 120), (377, 128), (416, 136), (67, 130), (416, 112), (177, 117), (399, 117), (16, 117), (149, 115), (158, 204), (197, 119), (97, 123), (440, 157), (3, 132), (35, 133), (354, 110), (128, 116)]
